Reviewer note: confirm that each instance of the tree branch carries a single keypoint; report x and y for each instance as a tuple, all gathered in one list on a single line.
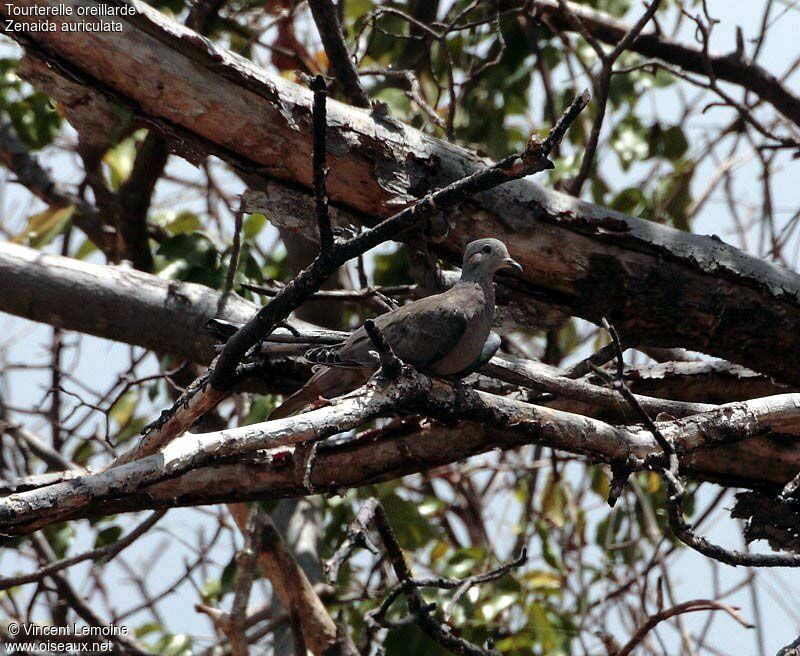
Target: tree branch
[(330, 31), (583, 259), (17, 159), (679, 609), (510, 422), (730, 68)]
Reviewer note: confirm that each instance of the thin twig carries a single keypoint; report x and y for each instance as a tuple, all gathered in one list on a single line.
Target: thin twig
[(233, 264), (391, 366), (356, 537), (319, 157), (679, 609), (100, 554), (332, 36)]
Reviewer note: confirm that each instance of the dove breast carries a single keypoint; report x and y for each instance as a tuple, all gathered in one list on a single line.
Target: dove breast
[(443, 334)]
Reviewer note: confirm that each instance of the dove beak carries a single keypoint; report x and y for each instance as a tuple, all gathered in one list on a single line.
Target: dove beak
[(510, 263)]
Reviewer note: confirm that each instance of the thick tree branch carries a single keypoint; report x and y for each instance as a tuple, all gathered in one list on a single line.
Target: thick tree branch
[(517, 422), (146, 310), (660, 287)]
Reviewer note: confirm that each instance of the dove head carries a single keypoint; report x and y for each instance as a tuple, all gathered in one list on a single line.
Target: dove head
[(483, 258)]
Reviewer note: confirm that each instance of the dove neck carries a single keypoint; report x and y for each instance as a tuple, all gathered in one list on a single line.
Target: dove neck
[(473, 277)]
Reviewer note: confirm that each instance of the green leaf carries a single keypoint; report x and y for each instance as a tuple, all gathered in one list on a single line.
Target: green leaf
[(60, 536), (674, 195), (670, 143), (357, 8), (107, 536), (410, 641), (630, 201), (83, 452), (663, 78), (600, 484), (675, 143), (211, 591), (174, 645), (122, 411), (543, 580), (120, 159), (253, 225), (228, 578), (497, 604), (599, 189), (84, 250), (391, 268), (616, 8), (630, 143), (542, 626), (147, 628), (438, 552), (412, 529), (464, 561), (192, 258), (44, 226), (260, 409), (554, 501), (548, 551), (34, 118), (180, 223), (622, 89)]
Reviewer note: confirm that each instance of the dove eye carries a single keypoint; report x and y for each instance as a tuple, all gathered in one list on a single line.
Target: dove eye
[(487, 249)]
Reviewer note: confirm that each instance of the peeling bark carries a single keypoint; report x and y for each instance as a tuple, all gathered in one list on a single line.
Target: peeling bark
[(659, 286), (504, 424)]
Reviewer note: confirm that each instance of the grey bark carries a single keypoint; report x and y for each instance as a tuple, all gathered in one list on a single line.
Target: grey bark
[(659, 286), (193, 470)]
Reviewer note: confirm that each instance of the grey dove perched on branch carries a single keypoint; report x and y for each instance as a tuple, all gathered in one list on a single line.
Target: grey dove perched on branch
[(447, 334)]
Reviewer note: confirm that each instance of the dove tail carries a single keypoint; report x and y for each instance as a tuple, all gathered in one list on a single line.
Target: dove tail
[(324, 355), (306, 395), (297, 401), (326, 383)]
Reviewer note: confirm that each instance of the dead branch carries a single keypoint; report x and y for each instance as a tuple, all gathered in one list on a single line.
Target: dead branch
[(516, 421), (330, 31), (679, 609), (731, 68)]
